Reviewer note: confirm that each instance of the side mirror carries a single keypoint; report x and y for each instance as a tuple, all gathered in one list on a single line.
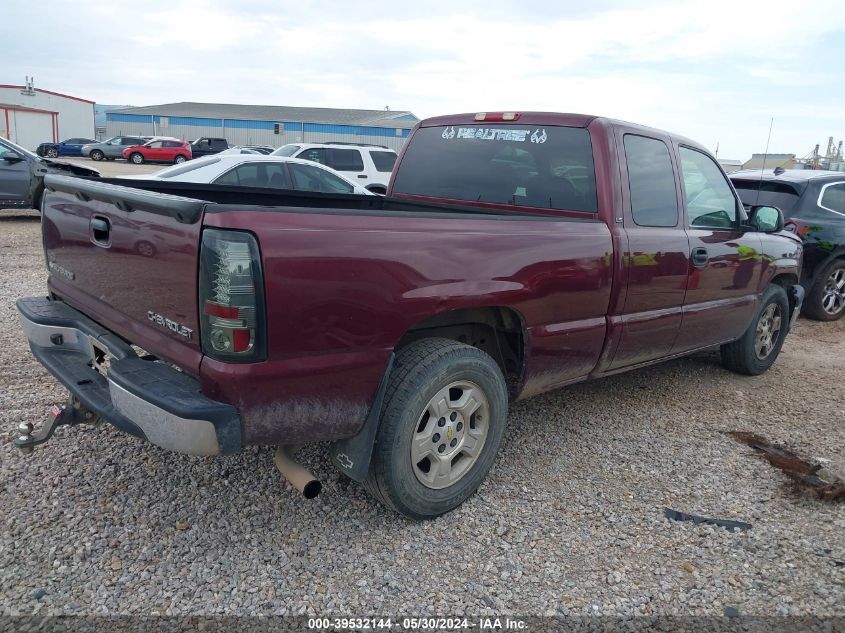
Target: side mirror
[(766, 219), (12, 157)]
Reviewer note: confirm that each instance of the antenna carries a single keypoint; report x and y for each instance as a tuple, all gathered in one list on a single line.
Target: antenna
[(763, 166)]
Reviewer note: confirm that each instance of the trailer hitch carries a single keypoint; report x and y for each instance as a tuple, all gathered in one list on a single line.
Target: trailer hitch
[(68, 414)]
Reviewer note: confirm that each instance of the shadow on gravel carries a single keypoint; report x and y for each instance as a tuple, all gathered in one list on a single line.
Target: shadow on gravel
[(815, 477), (17, 217)]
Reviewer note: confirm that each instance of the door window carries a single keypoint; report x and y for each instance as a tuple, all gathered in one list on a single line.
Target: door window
[(833, 198), (307, 178), (156, 144), (383, 160), (710, 200), (265, 175), (651, 181)]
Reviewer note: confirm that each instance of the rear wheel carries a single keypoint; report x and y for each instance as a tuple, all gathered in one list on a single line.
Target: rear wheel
[(179, 159), (826, 299), (759, 347), (97, 155), (443, 419), (52, 152), (137, 158)]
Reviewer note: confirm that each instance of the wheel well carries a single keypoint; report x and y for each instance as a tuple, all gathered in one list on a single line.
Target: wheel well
[(495, 330), (785, 281), (377, 189)]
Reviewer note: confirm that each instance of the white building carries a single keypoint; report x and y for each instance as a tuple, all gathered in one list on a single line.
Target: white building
[(30, 116)]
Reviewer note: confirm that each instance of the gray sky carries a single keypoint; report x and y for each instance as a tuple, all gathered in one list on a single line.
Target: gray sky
[(711, 70)]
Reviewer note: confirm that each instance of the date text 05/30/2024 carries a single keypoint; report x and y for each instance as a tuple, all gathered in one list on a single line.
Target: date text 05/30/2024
[(417, 624)]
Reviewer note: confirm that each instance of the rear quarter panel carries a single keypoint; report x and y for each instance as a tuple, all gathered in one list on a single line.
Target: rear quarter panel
[(342, 290)]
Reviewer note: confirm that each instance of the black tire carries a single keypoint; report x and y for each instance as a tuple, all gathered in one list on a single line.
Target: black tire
[(814, 306), (420, 371), (741, 355), (97, 155), (137, 158)]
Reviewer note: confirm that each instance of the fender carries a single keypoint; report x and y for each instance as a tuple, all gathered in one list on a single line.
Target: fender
[(838, 253), (352, 455)]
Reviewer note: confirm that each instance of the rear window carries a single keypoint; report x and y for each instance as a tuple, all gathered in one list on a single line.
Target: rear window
[(776, 194), (187, 166), (286, 150), (383, 161), (549, 167)]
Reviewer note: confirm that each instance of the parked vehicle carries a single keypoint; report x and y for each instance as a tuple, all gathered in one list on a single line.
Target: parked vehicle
[(239, 149), (814, 205), (22, 175), (515, 253), (206, 146), (261, 149), (113, 147), (70, 147), (255, 170), (159, 151), (370, 165)]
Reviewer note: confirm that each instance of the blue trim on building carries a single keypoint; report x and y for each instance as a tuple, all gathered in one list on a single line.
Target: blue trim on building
[(242, 124)]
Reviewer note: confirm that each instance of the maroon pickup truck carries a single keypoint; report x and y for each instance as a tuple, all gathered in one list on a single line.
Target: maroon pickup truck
[(514, 253)]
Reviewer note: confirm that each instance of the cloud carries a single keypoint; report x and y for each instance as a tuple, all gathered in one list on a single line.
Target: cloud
[(715, 71)]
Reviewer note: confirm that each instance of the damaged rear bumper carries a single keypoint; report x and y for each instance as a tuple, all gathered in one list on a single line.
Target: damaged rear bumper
[(141, 396)]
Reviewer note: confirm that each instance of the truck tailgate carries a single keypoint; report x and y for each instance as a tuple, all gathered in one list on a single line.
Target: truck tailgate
[(128, 259)]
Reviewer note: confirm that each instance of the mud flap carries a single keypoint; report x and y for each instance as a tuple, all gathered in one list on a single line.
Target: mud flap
[(352, 455), (796, 293)]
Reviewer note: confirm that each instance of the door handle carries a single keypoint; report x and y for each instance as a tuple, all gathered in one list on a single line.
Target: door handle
[(362, 176), (699, 257), (100, 228)]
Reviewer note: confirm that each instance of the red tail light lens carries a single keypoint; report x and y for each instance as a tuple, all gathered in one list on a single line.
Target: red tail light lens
[(231, 295)]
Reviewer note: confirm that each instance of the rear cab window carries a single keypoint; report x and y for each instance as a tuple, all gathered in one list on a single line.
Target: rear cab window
[(549, 167)]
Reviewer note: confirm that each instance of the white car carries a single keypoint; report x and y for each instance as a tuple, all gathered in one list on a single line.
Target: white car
[(250, 170), (369, 165)]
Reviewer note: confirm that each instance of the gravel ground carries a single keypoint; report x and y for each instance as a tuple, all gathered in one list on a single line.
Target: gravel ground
[(570, 520)]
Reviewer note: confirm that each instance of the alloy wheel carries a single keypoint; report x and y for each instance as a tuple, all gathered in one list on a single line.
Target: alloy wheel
[(450, 434), (833, 295), (768, 330)]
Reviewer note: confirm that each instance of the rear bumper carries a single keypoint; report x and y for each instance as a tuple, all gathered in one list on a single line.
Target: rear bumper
[(148, 399)]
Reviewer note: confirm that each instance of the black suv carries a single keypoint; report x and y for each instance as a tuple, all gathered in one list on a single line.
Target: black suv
[(813, 203), (206, 146)]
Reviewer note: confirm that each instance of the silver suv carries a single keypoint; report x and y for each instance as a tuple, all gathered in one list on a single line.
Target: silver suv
[(368, 165)]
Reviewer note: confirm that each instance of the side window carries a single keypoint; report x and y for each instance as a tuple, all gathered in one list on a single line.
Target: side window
[(315, 155), (172, 144), (306, 178), (710, 201), (271, 175), (651, 181), (346, 160), (156, 144), (833, 197), (383, 160)]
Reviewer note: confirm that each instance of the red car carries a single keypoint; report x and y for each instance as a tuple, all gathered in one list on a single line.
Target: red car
[(159, 151)]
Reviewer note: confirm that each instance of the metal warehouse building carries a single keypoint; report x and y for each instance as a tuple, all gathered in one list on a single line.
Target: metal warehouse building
[(263, 125), (30, 116)]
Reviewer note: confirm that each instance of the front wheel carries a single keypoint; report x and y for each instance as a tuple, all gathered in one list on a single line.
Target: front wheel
[(443, 418), (826, 299), (97, 155), (137, 158), (758, 348), (51, 152)]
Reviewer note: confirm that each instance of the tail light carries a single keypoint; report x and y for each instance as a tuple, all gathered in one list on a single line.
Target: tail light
[(231, 297)]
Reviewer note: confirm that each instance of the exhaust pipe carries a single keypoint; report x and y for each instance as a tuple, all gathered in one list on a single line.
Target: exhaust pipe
[(296, 473)]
